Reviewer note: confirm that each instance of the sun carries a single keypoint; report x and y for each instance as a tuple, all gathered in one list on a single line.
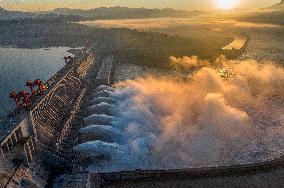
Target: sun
[(226, 4)]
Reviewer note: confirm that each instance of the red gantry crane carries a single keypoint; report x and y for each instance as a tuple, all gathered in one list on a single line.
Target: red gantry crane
[(24, 99), (16, 97)]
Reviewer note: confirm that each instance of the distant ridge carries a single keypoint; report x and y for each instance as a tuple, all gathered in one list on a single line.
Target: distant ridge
[(271, 15), (122, 12), (10, 15), (278, 6), (98, 13), (6, 15)]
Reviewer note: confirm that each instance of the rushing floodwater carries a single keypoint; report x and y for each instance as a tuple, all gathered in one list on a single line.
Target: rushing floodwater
[(19, 65)]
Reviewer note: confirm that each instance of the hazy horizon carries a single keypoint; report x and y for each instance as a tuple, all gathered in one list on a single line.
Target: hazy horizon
[(45, 5)]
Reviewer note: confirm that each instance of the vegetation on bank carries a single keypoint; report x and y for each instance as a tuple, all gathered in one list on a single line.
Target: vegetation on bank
[(145, 48), (97, 13)]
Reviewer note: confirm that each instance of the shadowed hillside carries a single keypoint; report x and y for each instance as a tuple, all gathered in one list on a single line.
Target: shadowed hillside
[(272, 14), (97, 13), (149, 48), (123, 12), (18, 15), (278, 6)]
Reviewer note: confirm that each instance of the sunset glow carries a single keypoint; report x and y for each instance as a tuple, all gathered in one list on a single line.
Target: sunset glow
[(44, 5), (227, 4)]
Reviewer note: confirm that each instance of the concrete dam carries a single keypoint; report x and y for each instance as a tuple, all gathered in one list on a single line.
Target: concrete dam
[(71, 137)]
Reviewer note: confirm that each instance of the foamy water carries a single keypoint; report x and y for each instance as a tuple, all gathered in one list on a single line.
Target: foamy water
[(102, 108), (203, 121)]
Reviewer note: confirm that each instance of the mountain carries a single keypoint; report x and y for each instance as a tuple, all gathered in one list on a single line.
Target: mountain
[(278, 6), (6, 15), (97, 13), (122, 12), (10, 15), (270, 15)]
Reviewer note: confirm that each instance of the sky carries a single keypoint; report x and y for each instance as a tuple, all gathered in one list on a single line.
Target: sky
[(43, 5)]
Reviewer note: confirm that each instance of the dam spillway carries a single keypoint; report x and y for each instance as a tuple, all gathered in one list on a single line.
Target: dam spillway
[(76, 125), (46, 134)]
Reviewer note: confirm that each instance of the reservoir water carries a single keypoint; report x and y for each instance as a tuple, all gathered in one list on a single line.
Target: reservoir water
[(19, 65)]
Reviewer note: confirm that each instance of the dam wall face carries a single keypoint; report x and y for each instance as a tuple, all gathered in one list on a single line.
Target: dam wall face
[(51, 115), (238, 175)]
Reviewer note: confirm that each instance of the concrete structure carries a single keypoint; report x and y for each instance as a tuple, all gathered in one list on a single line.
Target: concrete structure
[(54, 109), (16, 138), (51, 129), (106, 72), (44, 128), (102, 74), (267, 174)]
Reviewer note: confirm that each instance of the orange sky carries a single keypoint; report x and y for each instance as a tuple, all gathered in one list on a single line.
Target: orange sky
[(30, 7), (43, 5)]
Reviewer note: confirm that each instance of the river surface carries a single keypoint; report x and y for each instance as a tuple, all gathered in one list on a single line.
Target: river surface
[(237, 44), (19, 65)]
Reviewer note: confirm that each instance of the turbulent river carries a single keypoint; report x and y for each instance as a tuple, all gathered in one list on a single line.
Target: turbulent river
[(19, 65)]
